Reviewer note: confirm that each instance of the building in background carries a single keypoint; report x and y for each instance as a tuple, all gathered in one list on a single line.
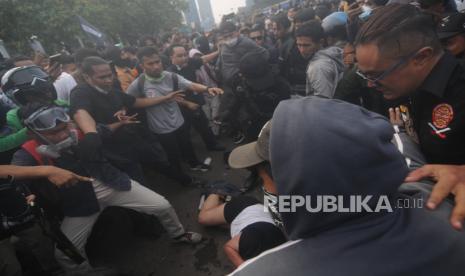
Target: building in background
[(206, 15), (192, 16)]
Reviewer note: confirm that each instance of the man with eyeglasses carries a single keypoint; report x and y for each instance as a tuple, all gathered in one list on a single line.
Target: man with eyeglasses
[(257, 34), (399, 54)]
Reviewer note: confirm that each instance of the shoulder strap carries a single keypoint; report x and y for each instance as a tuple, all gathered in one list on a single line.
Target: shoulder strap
[(175, 81), (140, 84), (30, 146)]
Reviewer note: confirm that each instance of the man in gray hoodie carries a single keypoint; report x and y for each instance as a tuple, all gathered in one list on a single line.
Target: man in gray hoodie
[(233, 47), (326, 67), (314, 155)]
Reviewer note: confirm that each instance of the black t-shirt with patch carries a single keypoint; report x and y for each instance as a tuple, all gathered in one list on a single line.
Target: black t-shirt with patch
[(438, 112)]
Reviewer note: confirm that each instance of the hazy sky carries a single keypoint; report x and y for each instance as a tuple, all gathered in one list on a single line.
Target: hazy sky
[(222, 7)]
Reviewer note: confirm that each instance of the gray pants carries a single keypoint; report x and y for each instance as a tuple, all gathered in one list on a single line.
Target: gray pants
[(139, 198)]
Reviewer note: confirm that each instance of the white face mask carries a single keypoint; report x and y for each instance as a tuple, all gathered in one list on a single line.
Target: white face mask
[(101, 90), (231, 42), (366, 9)]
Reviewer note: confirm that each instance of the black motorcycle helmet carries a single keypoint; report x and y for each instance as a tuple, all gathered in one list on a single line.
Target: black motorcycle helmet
[(28, 84)]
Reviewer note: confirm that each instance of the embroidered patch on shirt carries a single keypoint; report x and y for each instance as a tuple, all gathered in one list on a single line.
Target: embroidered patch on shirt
[(442, 115)]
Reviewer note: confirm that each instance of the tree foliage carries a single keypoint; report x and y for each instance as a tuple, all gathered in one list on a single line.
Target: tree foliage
[(54, 21)]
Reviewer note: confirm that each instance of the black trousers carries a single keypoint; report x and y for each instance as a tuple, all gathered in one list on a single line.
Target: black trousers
[(199, 121), (147, 152), (178, 145)]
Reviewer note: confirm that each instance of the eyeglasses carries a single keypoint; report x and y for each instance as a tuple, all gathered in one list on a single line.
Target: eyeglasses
[(257, 38), (375, 80), (46, 118)]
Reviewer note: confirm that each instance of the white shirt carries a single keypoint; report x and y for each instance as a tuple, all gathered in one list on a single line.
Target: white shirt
[(63, 85), (251, 214)]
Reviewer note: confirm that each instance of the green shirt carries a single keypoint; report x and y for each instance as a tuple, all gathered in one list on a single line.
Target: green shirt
[(19, 135)]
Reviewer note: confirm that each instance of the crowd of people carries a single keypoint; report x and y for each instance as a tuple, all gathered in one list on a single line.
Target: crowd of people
[(324, 99)]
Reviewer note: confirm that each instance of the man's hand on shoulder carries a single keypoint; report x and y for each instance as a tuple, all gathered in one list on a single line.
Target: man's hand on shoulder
[(450, 179)]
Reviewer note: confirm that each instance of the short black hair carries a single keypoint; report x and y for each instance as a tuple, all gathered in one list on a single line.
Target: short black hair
[(227, 27), (339, 32), (311, 29), (144, 38), (304, 15), (66, 59), (322, 10), (83, 53), (170, 50), (130, 49), (398, 29), (282, 20), (146, 51), (88, 64), (113, 53), (258, 27)]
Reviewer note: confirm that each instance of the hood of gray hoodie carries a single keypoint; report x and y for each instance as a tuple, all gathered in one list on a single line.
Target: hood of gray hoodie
[(345, 155), (332, 52), (328, 147)]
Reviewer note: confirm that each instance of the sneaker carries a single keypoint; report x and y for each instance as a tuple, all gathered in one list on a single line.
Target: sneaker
[(238, 138), (200, 167), (189, 237)]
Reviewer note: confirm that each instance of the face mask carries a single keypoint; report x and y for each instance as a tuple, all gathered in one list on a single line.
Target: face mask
[(54, 150), (101, 90), (231, 42), (366, 12), (366, 8)]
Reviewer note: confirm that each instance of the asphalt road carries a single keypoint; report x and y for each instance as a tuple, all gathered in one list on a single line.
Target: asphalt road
[(143, 248)]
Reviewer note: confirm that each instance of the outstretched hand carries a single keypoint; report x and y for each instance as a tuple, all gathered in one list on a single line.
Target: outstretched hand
[(450, 179), (60, 177)]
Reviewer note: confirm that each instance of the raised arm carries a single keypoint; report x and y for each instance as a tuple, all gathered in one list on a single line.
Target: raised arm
[(147, 102)]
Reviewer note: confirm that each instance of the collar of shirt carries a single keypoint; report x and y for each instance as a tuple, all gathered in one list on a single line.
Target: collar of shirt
[(438, 78), (155, 80)]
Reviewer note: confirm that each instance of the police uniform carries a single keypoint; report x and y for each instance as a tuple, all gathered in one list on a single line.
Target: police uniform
[(438, 112)]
